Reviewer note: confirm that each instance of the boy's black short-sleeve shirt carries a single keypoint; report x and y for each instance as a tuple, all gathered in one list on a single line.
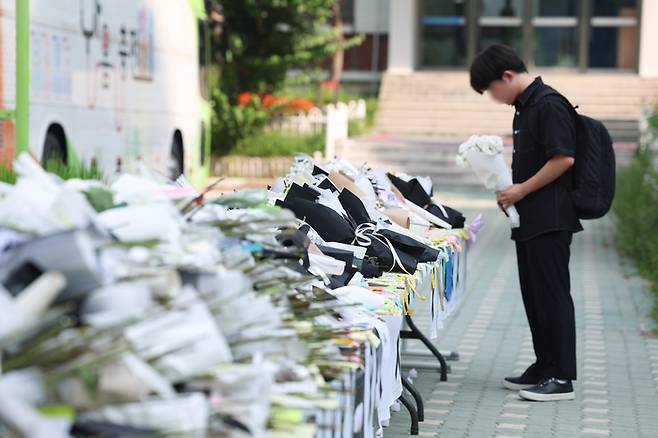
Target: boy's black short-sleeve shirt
[(543, 128)]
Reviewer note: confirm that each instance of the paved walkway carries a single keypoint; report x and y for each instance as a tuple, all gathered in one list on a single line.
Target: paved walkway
[(616, 393)]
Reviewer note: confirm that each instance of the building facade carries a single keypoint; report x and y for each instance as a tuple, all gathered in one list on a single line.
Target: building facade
[(571, 35)]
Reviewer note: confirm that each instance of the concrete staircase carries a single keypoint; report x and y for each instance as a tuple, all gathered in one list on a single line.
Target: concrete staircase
[(423, 156), (442, 104), (428, 156), (422, 118)]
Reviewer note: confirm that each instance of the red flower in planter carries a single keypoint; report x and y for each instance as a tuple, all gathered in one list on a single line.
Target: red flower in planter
[(270, 100), (329, 84), (300, 104), (245, 98), (282, 104)]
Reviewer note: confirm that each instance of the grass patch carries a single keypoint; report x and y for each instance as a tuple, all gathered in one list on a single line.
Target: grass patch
[(73, 170), (57, 167), (7, 175)]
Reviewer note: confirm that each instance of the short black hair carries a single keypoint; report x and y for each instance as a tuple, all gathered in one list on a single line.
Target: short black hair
[(490, 64)]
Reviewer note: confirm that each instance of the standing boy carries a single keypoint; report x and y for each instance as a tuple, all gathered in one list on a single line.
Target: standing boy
[(544, 130)]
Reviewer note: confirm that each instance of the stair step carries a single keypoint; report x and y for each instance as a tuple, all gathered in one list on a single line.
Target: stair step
[(442, 104), (428, 157), (596, 94), (422, 151), (493, 115), (405, 158)]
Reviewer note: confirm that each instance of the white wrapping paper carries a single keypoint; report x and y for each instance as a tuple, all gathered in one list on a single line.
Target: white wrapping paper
[(484, 155)]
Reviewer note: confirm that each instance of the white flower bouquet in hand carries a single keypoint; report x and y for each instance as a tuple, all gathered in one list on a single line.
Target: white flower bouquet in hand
[(484, 153)]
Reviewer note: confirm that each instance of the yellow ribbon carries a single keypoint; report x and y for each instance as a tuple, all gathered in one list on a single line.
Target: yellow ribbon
[(405, 303)]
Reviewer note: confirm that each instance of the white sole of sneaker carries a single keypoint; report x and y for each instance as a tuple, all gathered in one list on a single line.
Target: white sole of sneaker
[(532, 396), (515, 386)]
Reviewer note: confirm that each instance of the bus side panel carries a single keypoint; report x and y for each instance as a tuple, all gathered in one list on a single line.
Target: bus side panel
[(119, 79), (179, 73)]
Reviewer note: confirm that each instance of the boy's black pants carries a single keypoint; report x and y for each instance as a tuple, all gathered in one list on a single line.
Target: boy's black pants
[(546, 289)]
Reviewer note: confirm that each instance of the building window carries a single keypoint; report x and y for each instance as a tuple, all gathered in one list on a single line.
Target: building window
[(555, 8), (613, 41), (547, 33), (500, 22), (347, 12), (443, 33), (555, 26), (556, 46)]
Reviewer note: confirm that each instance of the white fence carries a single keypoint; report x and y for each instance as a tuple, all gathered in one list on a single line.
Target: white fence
[(252, 167), (333, 120)]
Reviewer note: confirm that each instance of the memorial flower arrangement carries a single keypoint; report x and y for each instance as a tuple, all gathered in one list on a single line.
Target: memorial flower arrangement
[(140, 306), (484, 154)]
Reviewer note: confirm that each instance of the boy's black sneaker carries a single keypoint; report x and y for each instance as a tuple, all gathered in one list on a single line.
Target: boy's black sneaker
[(524, 381), (550, 389)]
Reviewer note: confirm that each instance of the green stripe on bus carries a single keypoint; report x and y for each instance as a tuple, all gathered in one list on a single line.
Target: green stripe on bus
[(22, 75), (199, 8)]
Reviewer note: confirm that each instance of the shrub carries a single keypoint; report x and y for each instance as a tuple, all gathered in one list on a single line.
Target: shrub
[(278, 144), (636, 215)]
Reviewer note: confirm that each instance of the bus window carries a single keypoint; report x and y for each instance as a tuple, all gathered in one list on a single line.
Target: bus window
[(204, 58), (89, 11)]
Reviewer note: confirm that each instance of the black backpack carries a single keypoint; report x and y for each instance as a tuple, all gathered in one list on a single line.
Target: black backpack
[(593, 186)]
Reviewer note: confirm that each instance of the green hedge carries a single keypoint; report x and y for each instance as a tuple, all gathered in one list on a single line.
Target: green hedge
[(277, 144), (636, 213)]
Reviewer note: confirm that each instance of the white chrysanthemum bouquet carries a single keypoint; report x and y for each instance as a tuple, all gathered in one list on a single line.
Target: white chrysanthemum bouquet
[(484, 154)]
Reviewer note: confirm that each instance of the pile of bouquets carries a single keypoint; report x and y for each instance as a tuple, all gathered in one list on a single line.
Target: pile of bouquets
[(139, 306)]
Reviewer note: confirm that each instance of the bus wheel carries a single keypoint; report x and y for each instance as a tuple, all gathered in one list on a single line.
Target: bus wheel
[(176, 164), (54, 146)]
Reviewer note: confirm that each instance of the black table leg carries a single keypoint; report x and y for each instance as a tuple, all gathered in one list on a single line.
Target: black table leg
[(415, 333), (420, 408), (412, 413)]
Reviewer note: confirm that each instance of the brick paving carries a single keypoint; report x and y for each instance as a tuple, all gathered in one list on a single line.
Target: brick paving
[(617, 389)]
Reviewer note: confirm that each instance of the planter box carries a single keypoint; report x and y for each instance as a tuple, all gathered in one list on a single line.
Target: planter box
[(251, 167)]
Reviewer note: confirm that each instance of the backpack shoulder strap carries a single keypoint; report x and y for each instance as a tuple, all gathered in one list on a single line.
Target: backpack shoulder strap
[(548, 91), (545, 91)]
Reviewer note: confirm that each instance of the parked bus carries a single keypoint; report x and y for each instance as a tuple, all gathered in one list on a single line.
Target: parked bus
[(106, 81)]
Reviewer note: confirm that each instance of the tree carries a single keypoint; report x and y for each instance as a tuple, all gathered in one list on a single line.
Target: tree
[(266, 38), (259, 42), (339, 56)]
